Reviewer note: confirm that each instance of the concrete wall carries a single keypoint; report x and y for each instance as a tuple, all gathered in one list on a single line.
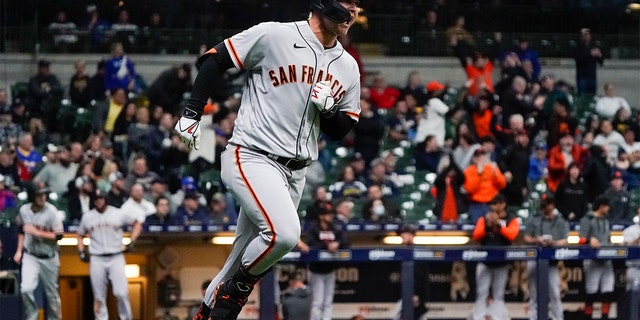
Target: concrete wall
[(625, 74)]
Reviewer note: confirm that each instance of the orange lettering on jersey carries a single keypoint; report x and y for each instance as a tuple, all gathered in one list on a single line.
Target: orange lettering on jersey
[(283, 76), (320, 75), (274, 79), (293, 76), (329, 77), (305, 72), (311, 73)]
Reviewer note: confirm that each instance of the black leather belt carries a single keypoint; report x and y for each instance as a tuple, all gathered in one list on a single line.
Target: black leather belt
[(40, 256), (106, 254), (291, 163)]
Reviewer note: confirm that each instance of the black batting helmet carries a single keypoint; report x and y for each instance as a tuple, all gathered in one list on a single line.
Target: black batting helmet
[(331, 9)]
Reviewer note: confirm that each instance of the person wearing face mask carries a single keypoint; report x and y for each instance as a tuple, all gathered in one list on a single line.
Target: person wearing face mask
[(545, 230)]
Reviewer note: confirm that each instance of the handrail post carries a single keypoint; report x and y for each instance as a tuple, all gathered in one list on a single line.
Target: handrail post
[(407, 290), (267, 296), (542, 283)]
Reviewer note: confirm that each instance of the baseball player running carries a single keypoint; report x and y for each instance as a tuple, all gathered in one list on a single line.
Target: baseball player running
[(104, 225), (546, 229), (301, 82), (40, 230), (631, 235), (599, 276)]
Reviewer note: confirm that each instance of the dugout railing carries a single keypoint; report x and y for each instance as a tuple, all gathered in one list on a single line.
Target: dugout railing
[(408, 256)]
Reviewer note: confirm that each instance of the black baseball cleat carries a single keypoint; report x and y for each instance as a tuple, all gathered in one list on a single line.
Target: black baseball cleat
[(203, 312), (226, 304)]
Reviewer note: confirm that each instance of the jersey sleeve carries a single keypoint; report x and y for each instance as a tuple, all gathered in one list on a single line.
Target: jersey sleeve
[(56, 222), (248, 48), (82, 228)]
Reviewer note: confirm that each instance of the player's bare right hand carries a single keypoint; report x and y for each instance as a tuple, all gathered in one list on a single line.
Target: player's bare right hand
[(189, 130)]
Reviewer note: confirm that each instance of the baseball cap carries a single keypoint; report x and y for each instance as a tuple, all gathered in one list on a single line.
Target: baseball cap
[(43, 63), (479, 152), (189, 183), (547, 198), (616, 175), (41, 188), (107, 144), (217, 197), (542, 146), (115, 176), (434, 86), (191, 195)]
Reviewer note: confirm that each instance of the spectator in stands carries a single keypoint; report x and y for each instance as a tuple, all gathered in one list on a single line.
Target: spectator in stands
[(171, 155), (459, 38), (561, 156), (488, 144), (510, 67), (219, 210), (483, 181), (526, 53), (630, 153), (138, 132), (347, 186), (477, 65), (80, 198), (106, 113), (296, 298), (596, 171), (124, 31), (415, 87), (125, 118), (79, 88), (58, 173), (20, 114), (320, 199), (7, 198), (429, 24), (368, 133), (9, 131), (538, 165), (587, 56), (102, 179), (561, 122), (344, 212), (610, 139), (618, 196), (447, 191), (435, 111), (153, 36), (401, 123), (623, 121), (595, 232), (187, 184), (546, 229), (157, 189), (463, 153), (348, 46), (328, 235), (97, 82), (514, 163), (105, 158), (609, 104), (482, 116), (9, 169), (493, 228), (137, 206), (95, 29), (383, 96), (119, 71), (428, 154), (117, 194), (169, 88), (190, 212), (223, 132), (64, 32), (378, 208), (140, 173), (378, 175), (571, 196), (43, 87), (92, 147), (162, 216), (27, 154)]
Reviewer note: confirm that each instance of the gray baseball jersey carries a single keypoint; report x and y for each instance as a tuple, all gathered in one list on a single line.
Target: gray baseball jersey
[(592, 226), (556, 227), (105, 229), (47, 220), (284, 61)]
